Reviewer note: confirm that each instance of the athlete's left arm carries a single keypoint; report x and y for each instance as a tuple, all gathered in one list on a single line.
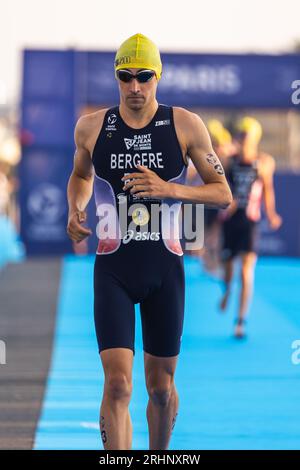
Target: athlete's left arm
[(266, 169), (215, 192)]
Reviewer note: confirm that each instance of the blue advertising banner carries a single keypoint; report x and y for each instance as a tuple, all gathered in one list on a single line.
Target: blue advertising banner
[(45, 173), (208, 80), (48, 118), (286, 240)]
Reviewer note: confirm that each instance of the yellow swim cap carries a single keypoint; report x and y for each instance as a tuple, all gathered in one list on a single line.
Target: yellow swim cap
[(139, 52), (250, 126), (219, 134)]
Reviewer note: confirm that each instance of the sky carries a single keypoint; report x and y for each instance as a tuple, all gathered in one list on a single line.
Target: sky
[(174, 25)]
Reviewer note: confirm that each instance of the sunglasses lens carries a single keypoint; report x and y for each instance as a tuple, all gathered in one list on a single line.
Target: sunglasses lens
[(124, 76), (144, 76)]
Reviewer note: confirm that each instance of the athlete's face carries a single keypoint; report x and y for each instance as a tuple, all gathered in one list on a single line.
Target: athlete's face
[(247, 146), (137, 95), (246, 140)]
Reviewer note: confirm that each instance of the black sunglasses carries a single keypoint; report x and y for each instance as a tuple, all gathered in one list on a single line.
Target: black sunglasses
[(142, 76)]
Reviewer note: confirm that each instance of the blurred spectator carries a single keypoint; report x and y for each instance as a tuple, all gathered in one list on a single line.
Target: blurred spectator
[(4, 192), (11, 249)]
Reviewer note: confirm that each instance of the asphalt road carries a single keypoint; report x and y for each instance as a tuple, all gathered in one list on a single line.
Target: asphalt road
[(28, 297)]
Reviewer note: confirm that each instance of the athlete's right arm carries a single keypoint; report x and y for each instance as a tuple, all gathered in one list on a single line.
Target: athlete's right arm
[(266, 169), (80, 185)]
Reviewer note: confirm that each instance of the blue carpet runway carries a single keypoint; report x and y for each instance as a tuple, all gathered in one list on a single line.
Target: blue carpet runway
[(233, 394)]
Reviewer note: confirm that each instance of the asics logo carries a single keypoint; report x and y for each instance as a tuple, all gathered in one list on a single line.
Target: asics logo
[(140, 236)]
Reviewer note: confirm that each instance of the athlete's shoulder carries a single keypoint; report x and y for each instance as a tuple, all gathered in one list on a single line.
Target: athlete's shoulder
[(266, 163), (188, 119), (191, 126), (87, 127), (87, 122), (184, 114)]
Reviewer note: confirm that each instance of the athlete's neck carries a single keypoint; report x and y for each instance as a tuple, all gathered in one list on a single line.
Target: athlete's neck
[(249, 153), (138, 118)]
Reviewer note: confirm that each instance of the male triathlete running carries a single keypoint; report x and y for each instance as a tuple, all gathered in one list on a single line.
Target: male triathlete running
[(135, 154), (250, 175)]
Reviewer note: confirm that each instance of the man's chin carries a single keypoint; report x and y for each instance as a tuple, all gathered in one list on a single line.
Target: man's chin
[(135, 102)]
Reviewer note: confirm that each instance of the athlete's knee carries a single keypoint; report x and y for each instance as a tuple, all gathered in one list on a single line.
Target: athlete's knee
[(118, 387), (161, 393), (228, 270), (248, 266)]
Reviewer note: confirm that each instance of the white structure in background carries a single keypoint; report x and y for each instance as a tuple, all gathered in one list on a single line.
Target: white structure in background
[(2, 352)]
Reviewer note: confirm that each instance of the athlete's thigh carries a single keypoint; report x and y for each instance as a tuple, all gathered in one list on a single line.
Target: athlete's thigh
[(114, 312), (162, 314), (117, 362)]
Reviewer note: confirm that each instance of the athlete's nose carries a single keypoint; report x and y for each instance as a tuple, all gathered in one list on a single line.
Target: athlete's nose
[(134, 86)]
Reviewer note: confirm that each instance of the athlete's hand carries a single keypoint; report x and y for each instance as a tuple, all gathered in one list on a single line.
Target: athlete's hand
[(76, 232), (147, 184), (275, 221)]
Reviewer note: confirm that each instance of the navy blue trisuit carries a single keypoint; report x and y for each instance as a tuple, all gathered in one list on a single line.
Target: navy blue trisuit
[(137, 260)]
